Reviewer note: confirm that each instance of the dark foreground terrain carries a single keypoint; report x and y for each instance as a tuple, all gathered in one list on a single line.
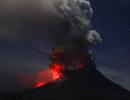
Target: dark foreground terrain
[(83, 84)]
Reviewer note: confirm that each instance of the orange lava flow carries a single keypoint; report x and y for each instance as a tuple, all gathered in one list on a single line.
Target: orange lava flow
[(55, 71), (39, 84)]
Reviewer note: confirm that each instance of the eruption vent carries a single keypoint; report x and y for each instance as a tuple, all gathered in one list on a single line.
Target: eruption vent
[(55, 72)]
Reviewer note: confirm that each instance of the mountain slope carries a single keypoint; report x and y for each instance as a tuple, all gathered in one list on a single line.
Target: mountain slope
[(83, 84)]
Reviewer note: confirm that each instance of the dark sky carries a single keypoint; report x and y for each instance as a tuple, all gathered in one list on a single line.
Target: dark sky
[(112, 20), (111, 17)]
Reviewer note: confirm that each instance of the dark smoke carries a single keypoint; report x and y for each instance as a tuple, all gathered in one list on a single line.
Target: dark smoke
[(29, 29)]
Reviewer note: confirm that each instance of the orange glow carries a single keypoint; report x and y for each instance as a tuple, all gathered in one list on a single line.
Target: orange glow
[(55, 72), (39, 84)]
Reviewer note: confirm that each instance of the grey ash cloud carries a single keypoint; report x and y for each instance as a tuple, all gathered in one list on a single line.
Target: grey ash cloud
[(29, 29)]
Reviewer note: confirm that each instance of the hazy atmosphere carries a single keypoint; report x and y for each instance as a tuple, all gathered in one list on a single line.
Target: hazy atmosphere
[(29, 29)]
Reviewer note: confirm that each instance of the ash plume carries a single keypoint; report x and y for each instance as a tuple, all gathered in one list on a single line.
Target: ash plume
[(19, 15), (29, 29)]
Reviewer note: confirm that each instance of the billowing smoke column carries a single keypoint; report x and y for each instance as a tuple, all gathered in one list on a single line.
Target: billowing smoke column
[(30, 29), (80, 36), (79, 13)]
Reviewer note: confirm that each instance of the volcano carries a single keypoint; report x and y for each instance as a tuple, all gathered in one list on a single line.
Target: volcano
[(82, 84)]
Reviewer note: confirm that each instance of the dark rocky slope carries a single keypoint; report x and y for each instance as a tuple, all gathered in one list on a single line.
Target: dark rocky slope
[(83, 84)]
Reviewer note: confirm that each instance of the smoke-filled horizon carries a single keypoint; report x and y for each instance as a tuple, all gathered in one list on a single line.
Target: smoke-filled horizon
[(29, 29)]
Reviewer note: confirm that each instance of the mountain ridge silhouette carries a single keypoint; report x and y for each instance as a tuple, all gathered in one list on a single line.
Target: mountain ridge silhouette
[(82, 84)]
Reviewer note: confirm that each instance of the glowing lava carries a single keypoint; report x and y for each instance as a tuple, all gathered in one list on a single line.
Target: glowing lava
[(39, 84), (55, 71)]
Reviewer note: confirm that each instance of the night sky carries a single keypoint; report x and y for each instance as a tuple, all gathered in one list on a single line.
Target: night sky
[(112, 20), (21, 53)]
